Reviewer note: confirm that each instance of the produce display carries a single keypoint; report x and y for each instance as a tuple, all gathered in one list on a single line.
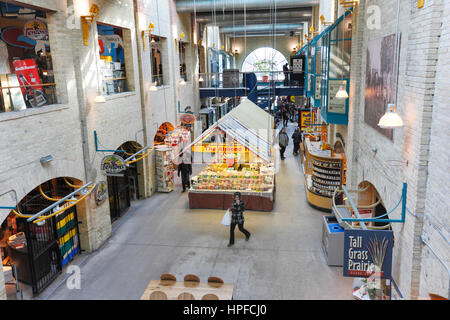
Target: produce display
[(254, 177)]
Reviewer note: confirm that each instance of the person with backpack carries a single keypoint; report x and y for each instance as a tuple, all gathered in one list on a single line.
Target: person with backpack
[(297, 139)]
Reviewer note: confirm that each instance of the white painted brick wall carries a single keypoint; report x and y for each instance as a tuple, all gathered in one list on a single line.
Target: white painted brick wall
[(434, 277), (418, 74)]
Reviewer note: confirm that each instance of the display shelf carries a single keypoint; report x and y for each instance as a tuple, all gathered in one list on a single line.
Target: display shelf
[(327, 171), (324, 174), (332, 178), (164, 169)]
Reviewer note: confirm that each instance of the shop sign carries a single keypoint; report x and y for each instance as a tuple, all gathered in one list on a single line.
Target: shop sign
[(306, 119), (187, 119), (35, 29), (112, 164), (368, 253), (101, 192), (222, 148)]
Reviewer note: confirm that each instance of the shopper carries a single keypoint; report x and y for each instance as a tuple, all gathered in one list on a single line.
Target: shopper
[(283, 141), (285, 115), (297, 139), (286, 74), (237, 218), (186, 171)]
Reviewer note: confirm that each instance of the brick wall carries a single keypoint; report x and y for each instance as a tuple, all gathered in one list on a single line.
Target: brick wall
[(434, 276), (406, 157)]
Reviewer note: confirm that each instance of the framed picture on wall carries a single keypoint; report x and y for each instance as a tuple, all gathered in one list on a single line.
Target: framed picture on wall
[(380, 84)]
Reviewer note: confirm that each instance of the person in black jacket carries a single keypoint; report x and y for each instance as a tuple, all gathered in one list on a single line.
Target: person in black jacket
[(297, 138), (186, 171), (237, 218)]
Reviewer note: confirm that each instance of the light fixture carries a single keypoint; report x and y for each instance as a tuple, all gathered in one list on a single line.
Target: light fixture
[(342, 93), (200, 79), (86, 20), (182, 82), (99, 99), (151, 26), (46, 159), (390, 119)]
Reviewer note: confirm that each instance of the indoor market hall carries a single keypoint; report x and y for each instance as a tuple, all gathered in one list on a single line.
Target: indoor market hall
[(283, 259), (272, 151)]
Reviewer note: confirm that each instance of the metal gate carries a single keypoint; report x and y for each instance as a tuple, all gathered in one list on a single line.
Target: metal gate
[(119, 195), (43, 253)]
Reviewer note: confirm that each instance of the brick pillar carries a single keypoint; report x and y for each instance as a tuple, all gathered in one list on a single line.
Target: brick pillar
[(422, 57)]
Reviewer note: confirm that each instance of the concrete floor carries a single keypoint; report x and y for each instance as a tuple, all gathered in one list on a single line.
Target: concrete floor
[(282, 260)]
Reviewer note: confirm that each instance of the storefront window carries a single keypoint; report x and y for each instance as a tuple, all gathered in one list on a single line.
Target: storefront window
[(182, 53), (26, 69), (156, 59), (112, 59)]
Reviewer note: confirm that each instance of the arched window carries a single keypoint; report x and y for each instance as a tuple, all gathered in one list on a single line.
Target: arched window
[(266, 62)]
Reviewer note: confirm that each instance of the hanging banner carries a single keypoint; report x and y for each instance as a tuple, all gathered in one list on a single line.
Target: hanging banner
[(367, 253), (336, 105), (112, 164)]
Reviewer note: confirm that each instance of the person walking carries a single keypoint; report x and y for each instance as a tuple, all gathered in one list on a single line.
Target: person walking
[(285, 115), (283, 141), (186, 170), (237, 218), (286, 74), (297, 139)]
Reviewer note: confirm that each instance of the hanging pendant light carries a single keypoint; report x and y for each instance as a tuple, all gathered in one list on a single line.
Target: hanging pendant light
[(200, 79), (390, 119), (342, 93), (182, 82), (153, 87)]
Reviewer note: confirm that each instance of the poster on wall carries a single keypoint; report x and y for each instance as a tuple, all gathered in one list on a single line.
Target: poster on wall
[(336, 105), (367, 253), (28, 76), (379, 81)]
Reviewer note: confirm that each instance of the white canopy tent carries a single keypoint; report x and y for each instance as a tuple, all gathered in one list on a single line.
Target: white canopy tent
[(249, 125)]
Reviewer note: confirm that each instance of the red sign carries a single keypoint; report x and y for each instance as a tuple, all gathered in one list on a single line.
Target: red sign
[(27, 73), (28, 76)]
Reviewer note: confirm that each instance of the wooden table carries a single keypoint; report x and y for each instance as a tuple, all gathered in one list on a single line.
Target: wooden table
[(186, 290)]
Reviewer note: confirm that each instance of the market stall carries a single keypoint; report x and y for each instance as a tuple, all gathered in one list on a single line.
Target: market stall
[(239, 157)]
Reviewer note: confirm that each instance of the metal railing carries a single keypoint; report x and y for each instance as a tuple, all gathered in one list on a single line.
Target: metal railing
[(236, 80), (17, 98)]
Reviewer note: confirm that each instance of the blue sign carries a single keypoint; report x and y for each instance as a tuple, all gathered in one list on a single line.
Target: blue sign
[(368, 252)]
